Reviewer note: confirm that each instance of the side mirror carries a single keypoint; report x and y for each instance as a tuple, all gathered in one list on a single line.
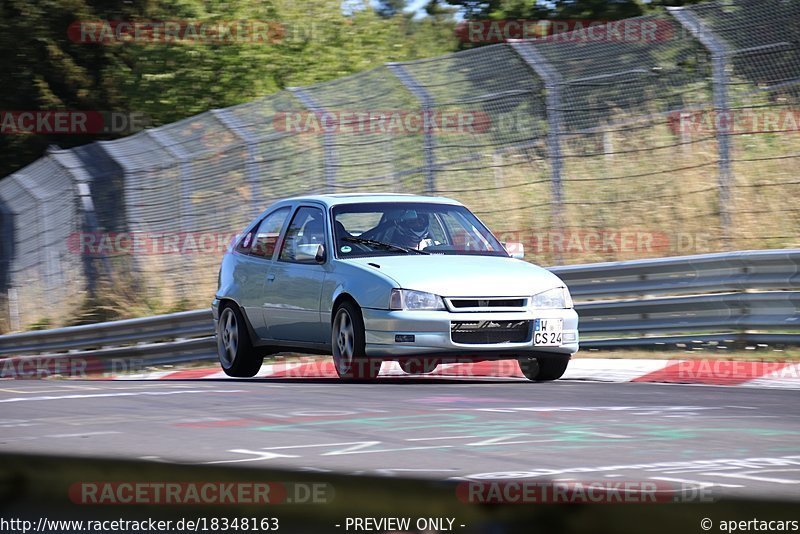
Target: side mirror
[(515, 250), (306, 252), (320, 256)]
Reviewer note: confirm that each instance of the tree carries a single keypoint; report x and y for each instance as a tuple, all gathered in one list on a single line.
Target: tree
[(313, 41)]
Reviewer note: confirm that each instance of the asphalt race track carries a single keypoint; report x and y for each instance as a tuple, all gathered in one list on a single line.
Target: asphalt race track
[(738, 441)]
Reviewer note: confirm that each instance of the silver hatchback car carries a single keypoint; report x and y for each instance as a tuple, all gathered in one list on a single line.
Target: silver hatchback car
[(370, 278)]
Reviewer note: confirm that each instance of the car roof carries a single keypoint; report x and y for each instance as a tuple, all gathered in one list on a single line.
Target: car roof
[(361, 198)]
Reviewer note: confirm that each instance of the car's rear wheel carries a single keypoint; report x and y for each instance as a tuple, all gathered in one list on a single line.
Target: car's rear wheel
[(418, 366), (235, 350), (544, 368), (348, 343)]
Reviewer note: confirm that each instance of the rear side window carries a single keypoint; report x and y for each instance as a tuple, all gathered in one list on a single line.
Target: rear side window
[(262, 240)]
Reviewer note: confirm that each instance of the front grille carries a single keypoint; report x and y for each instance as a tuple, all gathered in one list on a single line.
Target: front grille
[(484, 332), (487, 304)]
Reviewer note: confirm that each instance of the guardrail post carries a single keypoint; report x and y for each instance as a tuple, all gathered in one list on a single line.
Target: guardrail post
[(555, 121), (426, 103), (719, 61), (232, 123), (329, 154)]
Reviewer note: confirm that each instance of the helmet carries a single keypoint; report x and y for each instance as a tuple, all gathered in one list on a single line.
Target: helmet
[(412, 227)]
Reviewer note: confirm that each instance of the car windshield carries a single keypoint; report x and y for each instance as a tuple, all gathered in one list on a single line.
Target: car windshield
[(392, 228)]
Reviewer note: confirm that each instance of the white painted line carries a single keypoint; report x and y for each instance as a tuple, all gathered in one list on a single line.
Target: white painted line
[(153, 375), (442, 437), (259, 455), (597, 434), (61, 436), (392, 471), (756, 478), (124, 394), (697, 482)]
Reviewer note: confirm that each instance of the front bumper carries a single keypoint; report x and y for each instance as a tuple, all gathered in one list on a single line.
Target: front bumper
[(432, 334)]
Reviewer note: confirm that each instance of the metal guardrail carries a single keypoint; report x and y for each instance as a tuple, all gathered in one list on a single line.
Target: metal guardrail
[(704, 273), (740, 297), (154, 329)]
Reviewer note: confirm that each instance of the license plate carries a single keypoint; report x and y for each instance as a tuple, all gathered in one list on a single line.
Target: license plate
[(547, 332)]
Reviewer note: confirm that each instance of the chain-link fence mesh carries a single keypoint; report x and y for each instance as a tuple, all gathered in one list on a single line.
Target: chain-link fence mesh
[(760, 41), (655, 136), (496, 162), (364, 150), (625, 171), (45, 277)]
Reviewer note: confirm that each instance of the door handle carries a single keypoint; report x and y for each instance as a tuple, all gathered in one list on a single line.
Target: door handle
[(270, 277)]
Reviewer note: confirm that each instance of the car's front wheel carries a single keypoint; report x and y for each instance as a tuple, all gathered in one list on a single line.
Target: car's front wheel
[(544, 368), (236, 354), (348, 343)]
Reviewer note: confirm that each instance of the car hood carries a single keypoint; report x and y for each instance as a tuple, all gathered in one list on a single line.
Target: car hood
[(463, 276)]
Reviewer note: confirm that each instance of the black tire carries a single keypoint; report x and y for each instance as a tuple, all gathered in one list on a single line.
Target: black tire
[(349, 345), (237, 356), (418, 366), (544, 368)]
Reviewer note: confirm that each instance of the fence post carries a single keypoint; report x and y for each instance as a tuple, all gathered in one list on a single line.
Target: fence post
[(232, 123), (426, 103), (89, 223), (186, 214), (719, 61), (329, 154), (7, 251), (552, 83)]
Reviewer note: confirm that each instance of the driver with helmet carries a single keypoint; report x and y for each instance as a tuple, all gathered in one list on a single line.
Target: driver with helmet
[(408, 228), (411, 230)]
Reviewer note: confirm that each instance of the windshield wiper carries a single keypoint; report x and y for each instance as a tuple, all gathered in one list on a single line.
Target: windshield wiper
[(383, 244)]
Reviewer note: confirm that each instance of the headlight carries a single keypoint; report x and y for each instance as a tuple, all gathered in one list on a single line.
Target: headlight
[(556, 298), (408, 299)]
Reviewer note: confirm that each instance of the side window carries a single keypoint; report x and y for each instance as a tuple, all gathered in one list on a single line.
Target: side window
[(244, 243), (304, 236), (265, 237)]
